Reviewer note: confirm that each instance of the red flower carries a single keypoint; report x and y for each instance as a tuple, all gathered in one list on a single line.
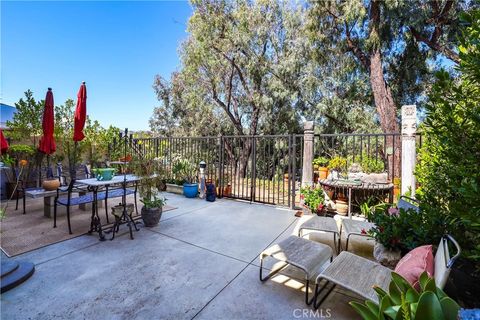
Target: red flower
[(380, 229), (363, 231)]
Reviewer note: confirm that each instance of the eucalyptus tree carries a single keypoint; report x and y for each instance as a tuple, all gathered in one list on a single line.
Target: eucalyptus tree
[(394, 44), (241, 66)]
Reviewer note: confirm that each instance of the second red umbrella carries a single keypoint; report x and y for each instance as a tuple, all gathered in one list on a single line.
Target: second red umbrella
[(80, 114), (47, 142)]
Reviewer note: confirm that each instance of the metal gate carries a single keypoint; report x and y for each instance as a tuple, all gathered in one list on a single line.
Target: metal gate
[(265, 169), (261, 169)]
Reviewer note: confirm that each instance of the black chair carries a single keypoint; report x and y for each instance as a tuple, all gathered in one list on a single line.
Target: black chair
[(23, 188), (69, 201), (88, 197)]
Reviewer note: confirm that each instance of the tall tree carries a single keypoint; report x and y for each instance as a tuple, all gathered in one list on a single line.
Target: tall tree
[(239, 67), (392, 42)]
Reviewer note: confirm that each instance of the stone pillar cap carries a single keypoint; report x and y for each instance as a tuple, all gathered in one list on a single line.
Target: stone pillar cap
[(308, 125)]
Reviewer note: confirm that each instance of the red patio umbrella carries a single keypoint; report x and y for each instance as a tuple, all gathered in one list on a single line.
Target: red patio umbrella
[(47, 142), (3, 143), (80, 113), (79, 123)]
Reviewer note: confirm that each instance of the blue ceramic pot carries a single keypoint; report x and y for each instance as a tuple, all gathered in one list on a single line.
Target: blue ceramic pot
[(190, 190)]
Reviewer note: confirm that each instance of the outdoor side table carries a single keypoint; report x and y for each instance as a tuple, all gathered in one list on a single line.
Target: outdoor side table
[(47, 196), (325, 224), (354, 228), (306, 255), (351, 186)]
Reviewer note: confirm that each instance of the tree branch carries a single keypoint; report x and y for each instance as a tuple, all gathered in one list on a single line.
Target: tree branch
[(439, 20)]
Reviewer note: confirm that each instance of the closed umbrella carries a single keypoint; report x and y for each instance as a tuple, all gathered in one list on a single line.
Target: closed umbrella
[(3, 143), (47, 142), (80, 113), (79, 122)]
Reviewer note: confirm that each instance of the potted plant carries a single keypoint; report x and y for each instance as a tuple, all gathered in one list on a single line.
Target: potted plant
[(313, 198), (337, 165), (320, 164), (149, 188), (396, 232), (188, 172)]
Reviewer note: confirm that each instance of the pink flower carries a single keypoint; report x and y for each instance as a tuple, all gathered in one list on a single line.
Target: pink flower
[(393, 211)]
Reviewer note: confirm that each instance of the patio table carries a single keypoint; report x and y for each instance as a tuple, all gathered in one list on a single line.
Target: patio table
[(352, 185), (94, 185)]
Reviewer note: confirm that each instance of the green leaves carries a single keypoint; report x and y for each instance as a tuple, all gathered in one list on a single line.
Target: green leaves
[(313, 197), (404, 302), (449, 169)]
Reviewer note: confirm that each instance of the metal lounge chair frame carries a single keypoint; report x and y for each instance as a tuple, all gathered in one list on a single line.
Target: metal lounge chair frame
[(378, 275)]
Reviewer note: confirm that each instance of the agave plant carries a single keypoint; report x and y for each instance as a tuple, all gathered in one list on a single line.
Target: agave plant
[(404, 302)]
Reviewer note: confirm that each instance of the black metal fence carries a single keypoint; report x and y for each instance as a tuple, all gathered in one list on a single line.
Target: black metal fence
[(268, 168)]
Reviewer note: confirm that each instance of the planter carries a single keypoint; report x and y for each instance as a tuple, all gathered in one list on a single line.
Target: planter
[(151, 216), (322, 173), (190, 190), (342, 207), (51, 184), (173, 188), (104, 174), (227, 191), (386, 257)]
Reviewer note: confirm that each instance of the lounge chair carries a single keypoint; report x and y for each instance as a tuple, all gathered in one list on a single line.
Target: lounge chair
[(359, 275), (305, 255)]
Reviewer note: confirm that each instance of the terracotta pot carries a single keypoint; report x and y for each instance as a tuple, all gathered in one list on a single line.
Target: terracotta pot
[(342, 207), (227, 191), (322, 173), (51, 184)]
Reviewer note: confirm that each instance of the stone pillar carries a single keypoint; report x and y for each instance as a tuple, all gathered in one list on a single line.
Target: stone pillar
[(409, 129), (307, 166)]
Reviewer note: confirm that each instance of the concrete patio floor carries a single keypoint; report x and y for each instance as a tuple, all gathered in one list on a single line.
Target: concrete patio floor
[(200, 262)]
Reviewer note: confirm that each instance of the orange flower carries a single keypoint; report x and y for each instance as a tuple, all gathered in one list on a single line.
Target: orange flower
[(23, 162)]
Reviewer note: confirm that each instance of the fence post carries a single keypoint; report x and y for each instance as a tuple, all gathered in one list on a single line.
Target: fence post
[(409, 129), (307, 167)]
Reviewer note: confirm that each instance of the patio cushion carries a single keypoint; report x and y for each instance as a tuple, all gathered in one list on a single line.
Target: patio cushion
[(414, 263), (114, 193), (88, 198)]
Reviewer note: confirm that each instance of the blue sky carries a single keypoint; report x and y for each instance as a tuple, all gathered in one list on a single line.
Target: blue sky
[(117, 47)]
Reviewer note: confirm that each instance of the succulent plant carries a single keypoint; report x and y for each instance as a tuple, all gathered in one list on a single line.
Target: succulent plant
[(406, 303)]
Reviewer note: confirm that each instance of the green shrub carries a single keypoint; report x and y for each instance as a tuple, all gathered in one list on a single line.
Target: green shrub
[(321, 161), (371, 164), (402, 229), (313, 197), (338, 163), (449, 167)]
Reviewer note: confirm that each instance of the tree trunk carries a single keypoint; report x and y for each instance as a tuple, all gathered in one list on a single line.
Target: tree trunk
[(244, 157), (386, 109)]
